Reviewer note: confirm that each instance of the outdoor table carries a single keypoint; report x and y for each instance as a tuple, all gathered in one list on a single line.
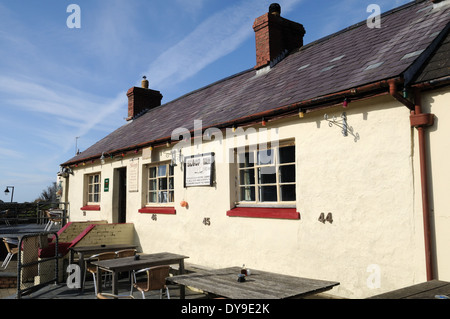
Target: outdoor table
[(115, 266), (83, 251), (258, 285), (434, 289)]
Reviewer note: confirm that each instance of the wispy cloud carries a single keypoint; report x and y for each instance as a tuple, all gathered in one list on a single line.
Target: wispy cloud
[(217, 36), (61, 103), (10, 153), (191, 6)]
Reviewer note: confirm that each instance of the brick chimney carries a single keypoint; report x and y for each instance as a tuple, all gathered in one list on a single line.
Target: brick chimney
[(142, 98), (274, 35)]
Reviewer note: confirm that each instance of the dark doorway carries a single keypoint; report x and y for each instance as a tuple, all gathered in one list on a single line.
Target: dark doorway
[(122, 195)]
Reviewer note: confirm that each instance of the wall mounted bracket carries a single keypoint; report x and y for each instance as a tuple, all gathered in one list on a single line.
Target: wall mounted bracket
[(346, 130)]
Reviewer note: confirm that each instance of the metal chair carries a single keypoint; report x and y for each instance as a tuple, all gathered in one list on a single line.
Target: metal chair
[(156, 280), (54, 217), (11, 251), (125, 253), (93, 269), (104, 295)]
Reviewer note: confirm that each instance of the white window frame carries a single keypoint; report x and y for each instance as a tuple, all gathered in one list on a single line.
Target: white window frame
[(155, 181), (91, 190), (257, 184)]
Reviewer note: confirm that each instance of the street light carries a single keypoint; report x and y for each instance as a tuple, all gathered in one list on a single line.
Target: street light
[(7, 192)]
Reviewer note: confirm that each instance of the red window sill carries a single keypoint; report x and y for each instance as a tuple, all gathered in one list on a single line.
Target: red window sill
[(90, 207), (264, 212), (158, 210)]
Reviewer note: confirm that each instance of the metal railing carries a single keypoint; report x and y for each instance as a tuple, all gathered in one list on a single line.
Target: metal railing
[(37, 262), (31, 213)]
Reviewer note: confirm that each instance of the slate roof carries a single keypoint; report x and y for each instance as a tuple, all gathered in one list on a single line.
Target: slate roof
[(438, 65), (351, 58)]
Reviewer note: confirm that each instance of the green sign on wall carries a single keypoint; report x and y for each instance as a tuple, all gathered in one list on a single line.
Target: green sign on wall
[(106, 184)]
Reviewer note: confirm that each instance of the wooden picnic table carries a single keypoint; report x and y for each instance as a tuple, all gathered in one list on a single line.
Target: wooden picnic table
[(434, 289), (258, 285), (118, 265), (83, 251)]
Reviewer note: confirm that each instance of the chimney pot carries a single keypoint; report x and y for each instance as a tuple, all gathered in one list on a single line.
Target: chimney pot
[(144, 82), (275, 9)]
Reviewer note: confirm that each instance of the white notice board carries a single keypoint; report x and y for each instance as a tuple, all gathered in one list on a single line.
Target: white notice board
[(199, 170), (133, 176)]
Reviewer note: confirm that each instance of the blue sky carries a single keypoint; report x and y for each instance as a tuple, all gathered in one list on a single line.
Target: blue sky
[(59, 83)]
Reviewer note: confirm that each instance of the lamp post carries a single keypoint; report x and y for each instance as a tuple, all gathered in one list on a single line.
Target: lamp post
[(7, 192)]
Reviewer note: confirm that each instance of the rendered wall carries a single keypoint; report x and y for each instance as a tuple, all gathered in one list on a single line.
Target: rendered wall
[(373, 245)]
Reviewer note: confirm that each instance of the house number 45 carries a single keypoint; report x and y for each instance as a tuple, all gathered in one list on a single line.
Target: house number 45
[(74, 19)]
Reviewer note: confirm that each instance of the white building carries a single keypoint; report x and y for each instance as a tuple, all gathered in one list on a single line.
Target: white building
[(330, 158)]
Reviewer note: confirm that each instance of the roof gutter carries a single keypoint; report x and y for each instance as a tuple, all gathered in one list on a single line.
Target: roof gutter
[(287, 110), (433, 84), (394, 93)]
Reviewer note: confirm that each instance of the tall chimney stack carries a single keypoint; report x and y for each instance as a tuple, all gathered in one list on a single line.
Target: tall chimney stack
[(142, 98), (274, 35)]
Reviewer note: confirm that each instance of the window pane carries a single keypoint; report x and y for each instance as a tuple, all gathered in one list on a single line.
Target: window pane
[(267, 175), (171, 197), (162, 197), (162, 183), (268, 193), (287, 192), (152, 172), (247, 177), (96, 188), (287, 173), (152, 185), (152, 197), (265, 157), (162, 170), (91, 179), (248, 193), (96, 178), (246, 159), (96, 198), (171, 169), (90, 198), (287, 154), (171, 183)]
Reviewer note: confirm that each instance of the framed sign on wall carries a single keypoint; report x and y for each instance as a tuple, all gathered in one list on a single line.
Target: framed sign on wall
[(199, 170)]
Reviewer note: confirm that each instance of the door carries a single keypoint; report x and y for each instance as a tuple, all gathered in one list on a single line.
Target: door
[(122, 195)]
